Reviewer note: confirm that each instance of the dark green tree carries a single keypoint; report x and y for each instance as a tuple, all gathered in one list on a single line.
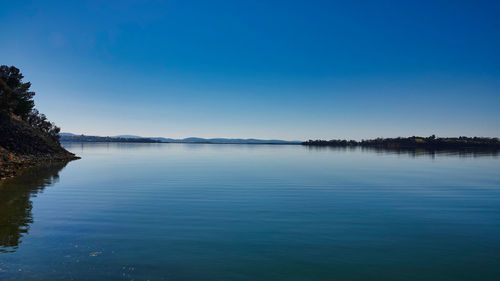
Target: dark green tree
[(16, 98), (15, 95)]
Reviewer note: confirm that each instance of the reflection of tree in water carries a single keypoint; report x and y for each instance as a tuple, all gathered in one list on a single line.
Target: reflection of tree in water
[(416, 152), (15, 203)]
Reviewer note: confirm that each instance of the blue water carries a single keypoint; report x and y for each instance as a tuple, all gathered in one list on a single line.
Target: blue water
[(252, 212)]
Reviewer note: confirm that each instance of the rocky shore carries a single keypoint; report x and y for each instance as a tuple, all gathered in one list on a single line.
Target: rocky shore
[(23, 146), (11, 164)]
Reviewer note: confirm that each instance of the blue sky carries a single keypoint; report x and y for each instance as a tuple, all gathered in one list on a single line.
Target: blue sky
[(264, 69)]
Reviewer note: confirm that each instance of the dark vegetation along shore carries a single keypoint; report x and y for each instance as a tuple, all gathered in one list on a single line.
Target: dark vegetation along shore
[(27, 138), (431, 143)]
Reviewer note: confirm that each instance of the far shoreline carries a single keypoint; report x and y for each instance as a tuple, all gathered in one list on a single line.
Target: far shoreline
[(414, 142), (236, 143)]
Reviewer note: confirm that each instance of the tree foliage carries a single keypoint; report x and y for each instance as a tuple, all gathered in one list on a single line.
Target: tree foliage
[(17, 99), (15, 95), (413, 142)]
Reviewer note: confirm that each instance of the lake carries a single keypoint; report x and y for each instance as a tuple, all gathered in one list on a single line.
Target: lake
[(252, 212)]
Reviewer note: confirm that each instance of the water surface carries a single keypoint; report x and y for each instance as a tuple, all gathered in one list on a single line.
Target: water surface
[(252, 212)]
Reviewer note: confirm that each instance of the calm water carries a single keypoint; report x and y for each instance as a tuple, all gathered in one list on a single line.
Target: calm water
[(252, 212)]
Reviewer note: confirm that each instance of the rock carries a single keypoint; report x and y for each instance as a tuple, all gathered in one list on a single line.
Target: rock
[(22, 146)]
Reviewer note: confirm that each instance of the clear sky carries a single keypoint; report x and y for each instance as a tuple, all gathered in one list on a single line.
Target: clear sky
[(263, 69)]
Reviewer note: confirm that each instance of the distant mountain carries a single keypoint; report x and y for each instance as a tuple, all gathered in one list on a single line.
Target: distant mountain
[(134, 138), (84, 138), (225, 141), (236, 141), (128, 137), (66, 134), (160, 139)]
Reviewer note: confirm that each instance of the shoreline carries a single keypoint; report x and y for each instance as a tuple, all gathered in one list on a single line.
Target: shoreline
[(430, 143), (186, 142), (14, 165)]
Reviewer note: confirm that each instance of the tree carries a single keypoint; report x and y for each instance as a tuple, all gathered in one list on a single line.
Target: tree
[(16, 98), (15, 95)]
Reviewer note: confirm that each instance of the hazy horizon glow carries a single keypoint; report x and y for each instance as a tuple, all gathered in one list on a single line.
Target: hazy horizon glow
[(272, 70)]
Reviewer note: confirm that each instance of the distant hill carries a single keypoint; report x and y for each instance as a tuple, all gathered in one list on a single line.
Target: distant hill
[(128, 137), (69, 137), (84, 138), (66, 134), (229, 141)]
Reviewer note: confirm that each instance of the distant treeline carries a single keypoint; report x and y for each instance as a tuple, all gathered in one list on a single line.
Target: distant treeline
[(84, 138), (414, 142)]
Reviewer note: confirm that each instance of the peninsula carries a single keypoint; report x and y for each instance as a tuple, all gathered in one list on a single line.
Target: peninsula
[(27, 138), (414, 142)]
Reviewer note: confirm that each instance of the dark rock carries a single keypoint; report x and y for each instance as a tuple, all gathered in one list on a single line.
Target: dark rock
[(22, 146)]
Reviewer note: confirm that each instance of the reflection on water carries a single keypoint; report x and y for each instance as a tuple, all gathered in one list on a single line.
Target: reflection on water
[(416, 152), (254, 212), (15, 203)]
